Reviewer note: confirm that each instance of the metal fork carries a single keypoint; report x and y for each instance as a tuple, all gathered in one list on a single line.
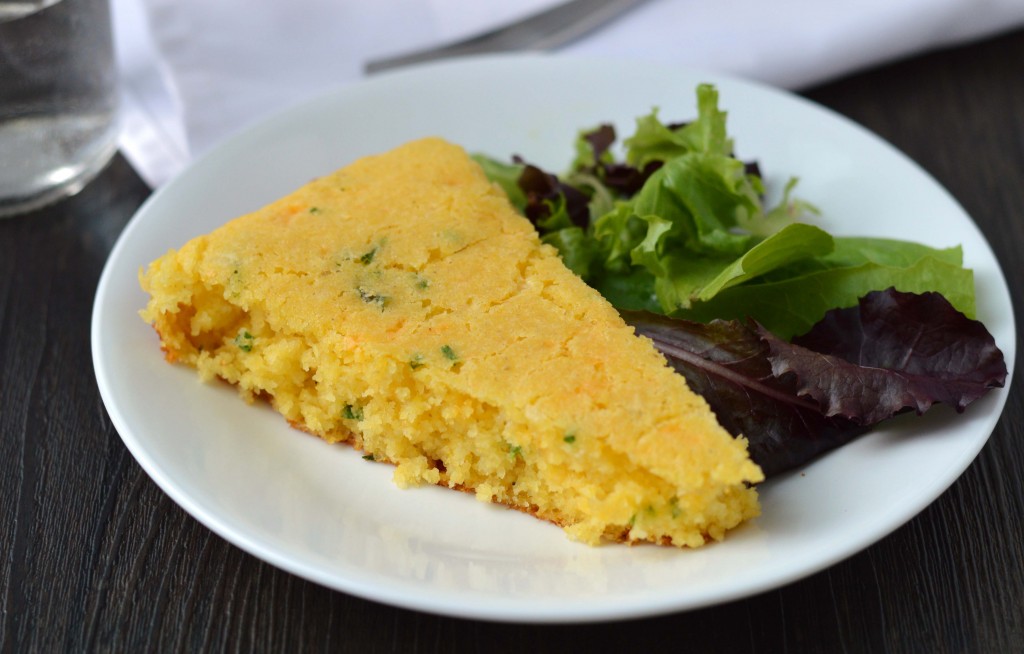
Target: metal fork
[(546, 30)]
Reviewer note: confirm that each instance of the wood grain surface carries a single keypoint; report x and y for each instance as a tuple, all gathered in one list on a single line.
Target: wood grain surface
[(96, 558)]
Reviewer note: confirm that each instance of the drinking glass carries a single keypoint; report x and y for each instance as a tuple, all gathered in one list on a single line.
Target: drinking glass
[(58, 99)]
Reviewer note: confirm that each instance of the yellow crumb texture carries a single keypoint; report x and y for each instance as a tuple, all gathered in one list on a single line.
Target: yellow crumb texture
[(402, 305)]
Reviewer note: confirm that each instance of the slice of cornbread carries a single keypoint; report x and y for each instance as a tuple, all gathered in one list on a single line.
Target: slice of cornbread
[(402, 305)]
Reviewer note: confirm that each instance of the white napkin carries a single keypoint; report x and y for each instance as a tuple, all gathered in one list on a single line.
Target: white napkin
[(195, 71)]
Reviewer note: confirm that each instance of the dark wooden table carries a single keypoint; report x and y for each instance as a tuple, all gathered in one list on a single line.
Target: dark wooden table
[(96, 557)]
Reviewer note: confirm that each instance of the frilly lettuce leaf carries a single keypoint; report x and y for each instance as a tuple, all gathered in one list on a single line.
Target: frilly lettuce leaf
[(654, 141)]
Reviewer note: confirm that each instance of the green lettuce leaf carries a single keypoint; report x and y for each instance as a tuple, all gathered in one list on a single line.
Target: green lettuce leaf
[(655, 141), (690, 279), (852, 251), (705, 196), (794, 242), (791, 306)]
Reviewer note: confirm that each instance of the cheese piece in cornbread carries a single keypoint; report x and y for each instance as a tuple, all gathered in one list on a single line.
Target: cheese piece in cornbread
[(403, 306)]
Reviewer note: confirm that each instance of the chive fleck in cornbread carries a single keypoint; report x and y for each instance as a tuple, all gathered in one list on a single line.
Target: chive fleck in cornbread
[(402, 305)]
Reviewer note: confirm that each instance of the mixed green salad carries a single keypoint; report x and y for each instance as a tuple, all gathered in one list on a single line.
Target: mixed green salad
[(799, 340)]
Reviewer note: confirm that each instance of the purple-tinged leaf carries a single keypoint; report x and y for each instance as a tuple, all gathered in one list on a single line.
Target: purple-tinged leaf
[(546, 194), (626, 179), (600, 140), (893, 352)]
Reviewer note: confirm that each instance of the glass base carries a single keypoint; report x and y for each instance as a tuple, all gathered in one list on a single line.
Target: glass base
[(60, 183)]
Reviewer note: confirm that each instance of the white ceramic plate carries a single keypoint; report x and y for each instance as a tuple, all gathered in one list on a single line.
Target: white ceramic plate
[(321, 512)]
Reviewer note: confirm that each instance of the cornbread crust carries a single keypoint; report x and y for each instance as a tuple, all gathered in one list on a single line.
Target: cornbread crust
[(402, 305)]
